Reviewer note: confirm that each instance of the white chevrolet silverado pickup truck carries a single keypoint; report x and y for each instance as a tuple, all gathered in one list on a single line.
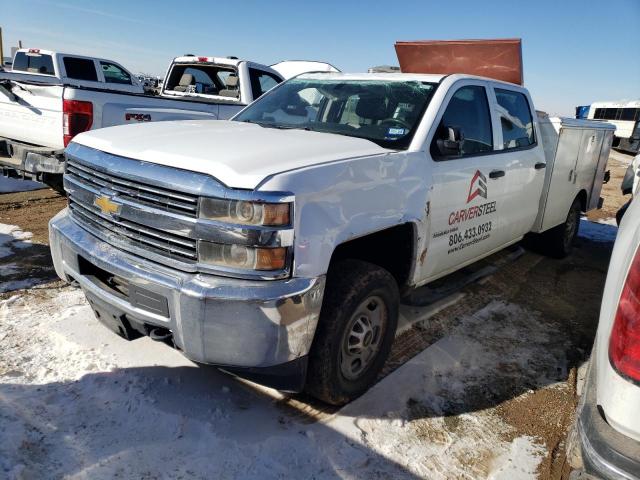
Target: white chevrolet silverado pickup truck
[(50, 97), (276, 245)]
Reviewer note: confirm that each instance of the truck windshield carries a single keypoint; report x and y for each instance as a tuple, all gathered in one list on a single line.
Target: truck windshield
[(385, 112)]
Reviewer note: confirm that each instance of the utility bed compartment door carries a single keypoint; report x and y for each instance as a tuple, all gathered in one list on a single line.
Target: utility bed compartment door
[(576, 160), (560, 189), (601, 150)]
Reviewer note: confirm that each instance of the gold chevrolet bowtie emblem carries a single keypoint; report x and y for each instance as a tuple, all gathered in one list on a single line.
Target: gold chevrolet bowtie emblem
[(106, 205)]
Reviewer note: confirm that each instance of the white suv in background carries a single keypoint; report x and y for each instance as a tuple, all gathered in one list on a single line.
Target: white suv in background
[(609, 412)]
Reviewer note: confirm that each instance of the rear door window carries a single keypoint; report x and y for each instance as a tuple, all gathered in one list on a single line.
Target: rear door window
[(515, 119), (262, 82), (33, 63), (115, 74), (80, 68)]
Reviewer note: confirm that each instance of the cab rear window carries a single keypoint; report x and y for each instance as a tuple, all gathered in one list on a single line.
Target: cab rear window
[(33, 63), (204, 78)]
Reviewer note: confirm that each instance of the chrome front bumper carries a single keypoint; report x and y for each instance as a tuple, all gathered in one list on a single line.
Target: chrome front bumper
[(216, 320)]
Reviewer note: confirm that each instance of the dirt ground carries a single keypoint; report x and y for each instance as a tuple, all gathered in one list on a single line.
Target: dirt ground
[(31, 211), (536, 396)]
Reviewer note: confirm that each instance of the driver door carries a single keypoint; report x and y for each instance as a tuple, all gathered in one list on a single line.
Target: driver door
[(468, 190)]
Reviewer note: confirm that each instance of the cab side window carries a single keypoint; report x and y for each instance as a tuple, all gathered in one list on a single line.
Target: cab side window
[(515, 119), (261, 82), (465, 128)]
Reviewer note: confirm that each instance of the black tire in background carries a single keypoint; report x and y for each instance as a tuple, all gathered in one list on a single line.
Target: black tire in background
[(355, 331), (620, 213)]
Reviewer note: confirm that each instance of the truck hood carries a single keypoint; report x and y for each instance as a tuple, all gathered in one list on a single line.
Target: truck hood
[(240, 155)]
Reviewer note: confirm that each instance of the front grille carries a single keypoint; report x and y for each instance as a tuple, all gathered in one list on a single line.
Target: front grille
[(142, 236), (139, 192)]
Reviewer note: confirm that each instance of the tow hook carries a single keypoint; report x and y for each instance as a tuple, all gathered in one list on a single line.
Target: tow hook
[(161, 335)]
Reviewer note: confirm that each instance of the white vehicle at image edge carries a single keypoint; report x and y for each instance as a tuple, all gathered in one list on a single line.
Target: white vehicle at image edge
[(50, 97), (608, 420), (276, 245)]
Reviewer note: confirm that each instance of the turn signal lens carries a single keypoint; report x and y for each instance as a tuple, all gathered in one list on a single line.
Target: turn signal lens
[(275, 214), (624, 344), (271, 258), (244, 212), (238, 256)]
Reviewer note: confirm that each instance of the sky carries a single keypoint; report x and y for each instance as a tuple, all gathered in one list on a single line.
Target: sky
[(575, 52)]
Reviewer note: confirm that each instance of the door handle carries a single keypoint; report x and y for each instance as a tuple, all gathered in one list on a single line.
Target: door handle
[(540, 166), (497, 174)]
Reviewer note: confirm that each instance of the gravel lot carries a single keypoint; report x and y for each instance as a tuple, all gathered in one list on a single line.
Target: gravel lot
[(481, 383)]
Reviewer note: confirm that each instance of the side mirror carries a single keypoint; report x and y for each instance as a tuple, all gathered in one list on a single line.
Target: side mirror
[(452, 144)]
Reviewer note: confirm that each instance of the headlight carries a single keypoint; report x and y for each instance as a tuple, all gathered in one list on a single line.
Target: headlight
[(238, 256), (244, 212)]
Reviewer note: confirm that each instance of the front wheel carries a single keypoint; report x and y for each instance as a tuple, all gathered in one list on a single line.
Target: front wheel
[(355, 331)]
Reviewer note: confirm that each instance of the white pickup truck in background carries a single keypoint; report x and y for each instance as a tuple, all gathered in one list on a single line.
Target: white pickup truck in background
[(48, 98), (276, 245)]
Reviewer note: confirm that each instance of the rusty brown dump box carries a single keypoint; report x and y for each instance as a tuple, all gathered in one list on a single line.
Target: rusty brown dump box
[(500, 59)]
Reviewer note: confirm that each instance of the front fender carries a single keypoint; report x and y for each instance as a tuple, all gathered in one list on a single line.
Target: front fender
[(344, 200)]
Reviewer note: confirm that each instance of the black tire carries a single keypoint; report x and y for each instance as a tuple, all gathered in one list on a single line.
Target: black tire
[(558, 241), (620, 213), (351, 283)]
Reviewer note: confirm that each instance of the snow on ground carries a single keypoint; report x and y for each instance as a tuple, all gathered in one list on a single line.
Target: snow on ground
[(12, 236), (604, 231), (10, 185), (13, 239), (78, 401)]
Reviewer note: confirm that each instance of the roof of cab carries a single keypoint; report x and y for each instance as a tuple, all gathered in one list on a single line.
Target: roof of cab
[(403, 77), (400, 77), (42, 51)]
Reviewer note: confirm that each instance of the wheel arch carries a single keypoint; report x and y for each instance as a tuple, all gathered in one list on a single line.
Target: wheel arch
[(392, 248), (582, 196)]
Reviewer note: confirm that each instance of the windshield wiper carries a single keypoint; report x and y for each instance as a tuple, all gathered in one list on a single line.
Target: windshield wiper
[(291, 127), (283, 127), (277, 126)]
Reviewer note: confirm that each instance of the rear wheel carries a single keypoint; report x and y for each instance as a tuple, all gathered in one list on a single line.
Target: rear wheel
[(355, 331), (558, 242)]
